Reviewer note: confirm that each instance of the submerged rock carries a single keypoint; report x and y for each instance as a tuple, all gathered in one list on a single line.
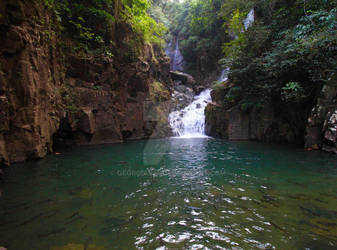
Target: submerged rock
[(324, 227), (73, 246), (84, 193)]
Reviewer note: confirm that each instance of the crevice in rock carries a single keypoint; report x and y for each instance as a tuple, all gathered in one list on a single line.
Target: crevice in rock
[(126, 134), (14, 13), (64, 137)]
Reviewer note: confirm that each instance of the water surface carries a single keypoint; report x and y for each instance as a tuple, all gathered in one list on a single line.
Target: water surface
[(172, 194)]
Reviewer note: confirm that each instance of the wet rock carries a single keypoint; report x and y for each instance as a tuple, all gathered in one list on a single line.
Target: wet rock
[(181, 99), (216, 122), (322, 122), (87, 122), (225, 119), (329, 149), (199, 89), (232, 124), (184, 77), (238, 124)]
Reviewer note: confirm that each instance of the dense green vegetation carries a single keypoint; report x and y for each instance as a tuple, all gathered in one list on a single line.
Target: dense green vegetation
[(94, 23), (287, 55), (199, 26)]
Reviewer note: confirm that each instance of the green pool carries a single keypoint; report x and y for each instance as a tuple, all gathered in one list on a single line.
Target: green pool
[(172, 194)]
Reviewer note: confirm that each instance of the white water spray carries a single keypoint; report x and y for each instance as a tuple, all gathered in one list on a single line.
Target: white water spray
[(248, 22), (224, 75), (190, 122), (177, 60)]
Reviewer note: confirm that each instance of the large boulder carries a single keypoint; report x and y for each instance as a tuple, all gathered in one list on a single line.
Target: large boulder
[(232, 124), (184, 77), (216, 123)]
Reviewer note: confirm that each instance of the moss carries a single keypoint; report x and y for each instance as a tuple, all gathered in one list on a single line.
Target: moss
[(70, 99), (154, 59), (218, 85), (158, 92)]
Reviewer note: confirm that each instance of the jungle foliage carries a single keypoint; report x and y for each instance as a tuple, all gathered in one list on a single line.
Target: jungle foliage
[(286, 56), (198, 24), (93, 22)]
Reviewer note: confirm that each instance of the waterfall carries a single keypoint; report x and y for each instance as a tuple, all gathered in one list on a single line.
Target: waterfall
[(177, 59), (249, 19), (248, 22), (190, 122), (224, 75), (168, 50)]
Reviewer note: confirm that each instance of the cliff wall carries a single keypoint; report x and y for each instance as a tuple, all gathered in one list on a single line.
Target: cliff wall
[(51, 96), (277, 123)]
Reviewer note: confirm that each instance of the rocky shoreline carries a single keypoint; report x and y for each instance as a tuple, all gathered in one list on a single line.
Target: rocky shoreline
[(316, 129)]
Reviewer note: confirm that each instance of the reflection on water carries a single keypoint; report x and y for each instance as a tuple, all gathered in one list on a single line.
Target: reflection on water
[(172, 194)]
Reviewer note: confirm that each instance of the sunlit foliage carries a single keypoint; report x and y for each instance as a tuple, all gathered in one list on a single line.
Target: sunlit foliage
[(92, 21)]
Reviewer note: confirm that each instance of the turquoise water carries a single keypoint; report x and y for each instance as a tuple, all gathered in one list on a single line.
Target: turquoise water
[(172, 194)]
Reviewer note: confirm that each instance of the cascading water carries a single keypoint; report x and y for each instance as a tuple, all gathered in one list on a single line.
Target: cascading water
[(190, 122), (224, 75), (248, 22), (177, 59), (168, 50)]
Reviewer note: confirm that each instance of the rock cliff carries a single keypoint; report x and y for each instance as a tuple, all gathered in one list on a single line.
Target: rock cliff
[(51, 96), (322, 122), (271, 123)]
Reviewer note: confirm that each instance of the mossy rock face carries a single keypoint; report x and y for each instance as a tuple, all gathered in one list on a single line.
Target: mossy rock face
[(216, 123), (158, 92), (157, 110), (72, 246), (220, 90)]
